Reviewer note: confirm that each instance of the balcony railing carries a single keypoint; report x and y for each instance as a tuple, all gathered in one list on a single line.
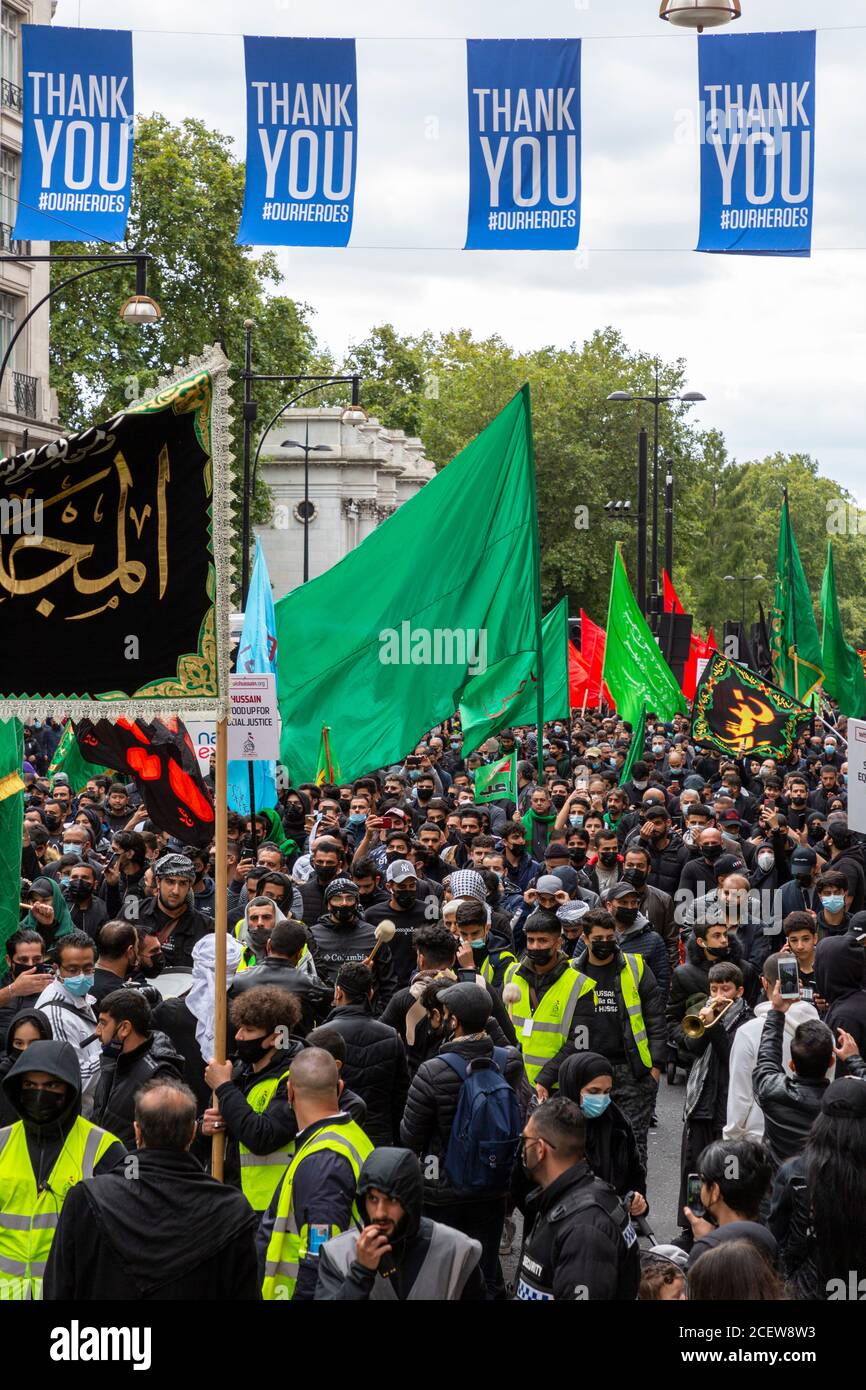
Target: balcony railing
[(8, 243), (11, 95), (25, 390)]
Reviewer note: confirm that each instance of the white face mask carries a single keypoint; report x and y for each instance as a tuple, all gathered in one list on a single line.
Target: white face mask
[(766, 861)]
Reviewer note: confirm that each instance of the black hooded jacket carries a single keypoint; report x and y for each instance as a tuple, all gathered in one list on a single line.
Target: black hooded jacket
[(120, 1077), (840, 978), (397, 1173), (690, 979), (9, 1056), (45, 1141), (611, 1149), (375, 1067)]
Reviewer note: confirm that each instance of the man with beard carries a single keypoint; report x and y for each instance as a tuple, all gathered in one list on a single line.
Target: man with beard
[(328, 860), (86, 910), (407, 911), (399, 1254), (342, 935), (172, 914)]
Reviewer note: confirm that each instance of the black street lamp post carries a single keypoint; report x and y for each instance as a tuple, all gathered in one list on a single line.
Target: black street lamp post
[(308, 448)]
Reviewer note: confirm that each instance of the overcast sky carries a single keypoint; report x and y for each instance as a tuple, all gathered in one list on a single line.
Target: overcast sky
[(776, 345)]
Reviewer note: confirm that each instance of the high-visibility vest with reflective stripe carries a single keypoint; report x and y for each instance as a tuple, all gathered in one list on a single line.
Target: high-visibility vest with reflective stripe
[(540, 1034), (547, 1036), (261, 1173), (488, 973), (28, 1218), (248, 957), (288, 1244)]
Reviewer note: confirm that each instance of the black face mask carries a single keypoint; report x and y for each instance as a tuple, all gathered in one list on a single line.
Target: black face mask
[(424, 793), (343, 914), (78, 888), (637, 877), (608, 858), (259, 937), (366, 899), (577, 857), (324, 876), (626, 916), (558, 801), (344, 805), (718, 952), (251, 1050), (602, 950), (711, 853), (53, 822), (156, 966), (43, 1107), (19, 969), (404, 898), (516, 850), (392, 855), (540, 955), (294, 815)]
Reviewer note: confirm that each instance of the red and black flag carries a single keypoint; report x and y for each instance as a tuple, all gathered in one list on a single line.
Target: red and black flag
[(159, 757), (738, 712)]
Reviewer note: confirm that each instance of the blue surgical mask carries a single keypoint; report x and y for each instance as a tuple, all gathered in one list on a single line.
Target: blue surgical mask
[(358, 819), (829, 748), (479, 944), (594, 1106), (73, 849), (835, 903), (576, 821), (79, 985), (64, 882)]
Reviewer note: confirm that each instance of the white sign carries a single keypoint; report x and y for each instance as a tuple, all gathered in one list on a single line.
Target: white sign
[(203, 735), (700, 667), (857, 775), (254, 730)]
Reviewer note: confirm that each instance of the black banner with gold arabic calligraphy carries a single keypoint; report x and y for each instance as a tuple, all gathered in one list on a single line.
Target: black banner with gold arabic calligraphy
[(736, 711), (108, 583)]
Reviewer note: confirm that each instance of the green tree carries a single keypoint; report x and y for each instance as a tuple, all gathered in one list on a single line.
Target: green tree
[(187, 195)]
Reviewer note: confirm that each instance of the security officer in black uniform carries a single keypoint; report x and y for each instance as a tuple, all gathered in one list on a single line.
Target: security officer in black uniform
[(579, 1244)]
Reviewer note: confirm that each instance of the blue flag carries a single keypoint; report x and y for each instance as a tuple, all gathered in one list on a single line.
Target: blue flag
[(257, 654), (757, 143), (524, 143), (302, 142), (76, 162)]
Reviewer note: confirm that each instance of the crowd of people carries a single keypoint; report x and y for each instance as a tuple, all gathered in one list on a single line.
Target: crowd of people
[(448, 1026)]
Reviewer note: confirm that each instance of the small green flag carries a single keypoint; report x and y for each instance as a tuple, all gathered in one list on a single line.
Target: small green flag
[(505, 695), (635, 672), (497, 781), (327, 768), (635, 748), (796, 649), (67, 758), (843, 670), (11, 820)]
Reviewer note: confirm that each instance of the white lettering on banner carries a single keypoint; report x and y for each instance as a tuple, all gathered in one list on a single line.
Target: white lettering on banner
[(79, 152), (534, 112), (104, 95), (322, 105), (762, 125), (550, 109), (304, 148)]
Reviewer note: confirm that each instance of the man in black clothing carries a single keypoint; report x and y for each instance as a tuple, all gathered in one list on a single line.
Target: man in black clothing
[(123, 875), (579, 1243), (328, 860), (667, 853), (342, 934), (132, 1054), (406, 912), (283, 952), (399, 1253), (791, 1099), (368, 880), (86, 910), (117, 960), (375, 1065), (173, 1234), (172, 914), (26, 976)]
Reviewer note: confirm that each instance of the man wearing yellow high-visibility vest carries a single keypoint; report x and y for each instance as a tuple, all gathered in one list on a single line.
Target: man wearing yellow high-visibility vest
[(316, 1199), (42, 1156), (252, 1105), (608, 1003)]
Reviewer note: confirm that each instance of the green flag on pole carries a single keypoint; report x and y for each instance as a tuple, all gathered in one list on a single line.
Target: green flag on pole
[(843, 670), (635, 672), (11, 820), (67, 758), (795, 644), (503, 698), (327, 766), (387, 639), (635, 748), (497, 781)]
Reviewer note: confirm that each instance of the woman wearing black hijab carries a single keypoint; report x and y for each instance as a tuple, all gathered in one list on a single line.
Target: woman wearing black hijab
[(611, 1150), (27, 1026)]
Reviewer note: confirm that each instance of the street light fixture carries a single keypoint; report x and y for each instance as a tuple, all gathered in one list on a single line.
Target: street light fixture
[(656, 400), (744, 580), (700, 14), (306, 508)]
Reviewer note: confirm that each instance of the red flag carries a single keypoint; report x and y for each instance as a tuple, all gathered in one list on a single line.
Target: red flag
[(578, 677), (671, 603), (711, 641), (592, 640)]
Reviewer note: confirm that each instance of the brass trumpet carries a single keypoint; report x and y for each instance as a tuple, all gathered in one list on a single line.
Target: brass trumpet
[(693, 1025)]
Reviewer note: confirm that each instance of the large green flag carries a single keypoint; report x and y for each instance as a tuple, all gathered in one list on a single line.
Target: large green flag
[(11, 820), (502, 697), (795, 645), (67, 758), (843, 670), (635, 672), (383, 644)]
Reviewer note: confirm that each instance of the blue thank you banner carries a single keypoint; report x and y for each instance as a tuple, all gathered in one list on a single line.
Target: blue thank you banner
[(524, 143), (302, 142), (757, 127), (76, 161)]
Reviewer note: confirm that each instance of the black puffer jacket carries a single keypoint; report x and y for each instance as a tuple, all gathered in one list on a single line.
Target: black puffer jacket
[(432, 1104), (790, 1221), (691, 978), (120, 1078), (666, 865), (375, 1067)]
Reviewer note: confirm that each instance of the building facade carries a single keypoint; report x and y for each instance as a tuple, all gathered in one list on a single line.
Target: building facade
[(359, 474), (28, 406)]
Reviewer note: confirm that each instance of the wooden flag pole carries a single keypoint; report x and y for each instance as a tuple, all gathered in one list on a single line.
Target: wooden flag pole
[(220, 978)]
